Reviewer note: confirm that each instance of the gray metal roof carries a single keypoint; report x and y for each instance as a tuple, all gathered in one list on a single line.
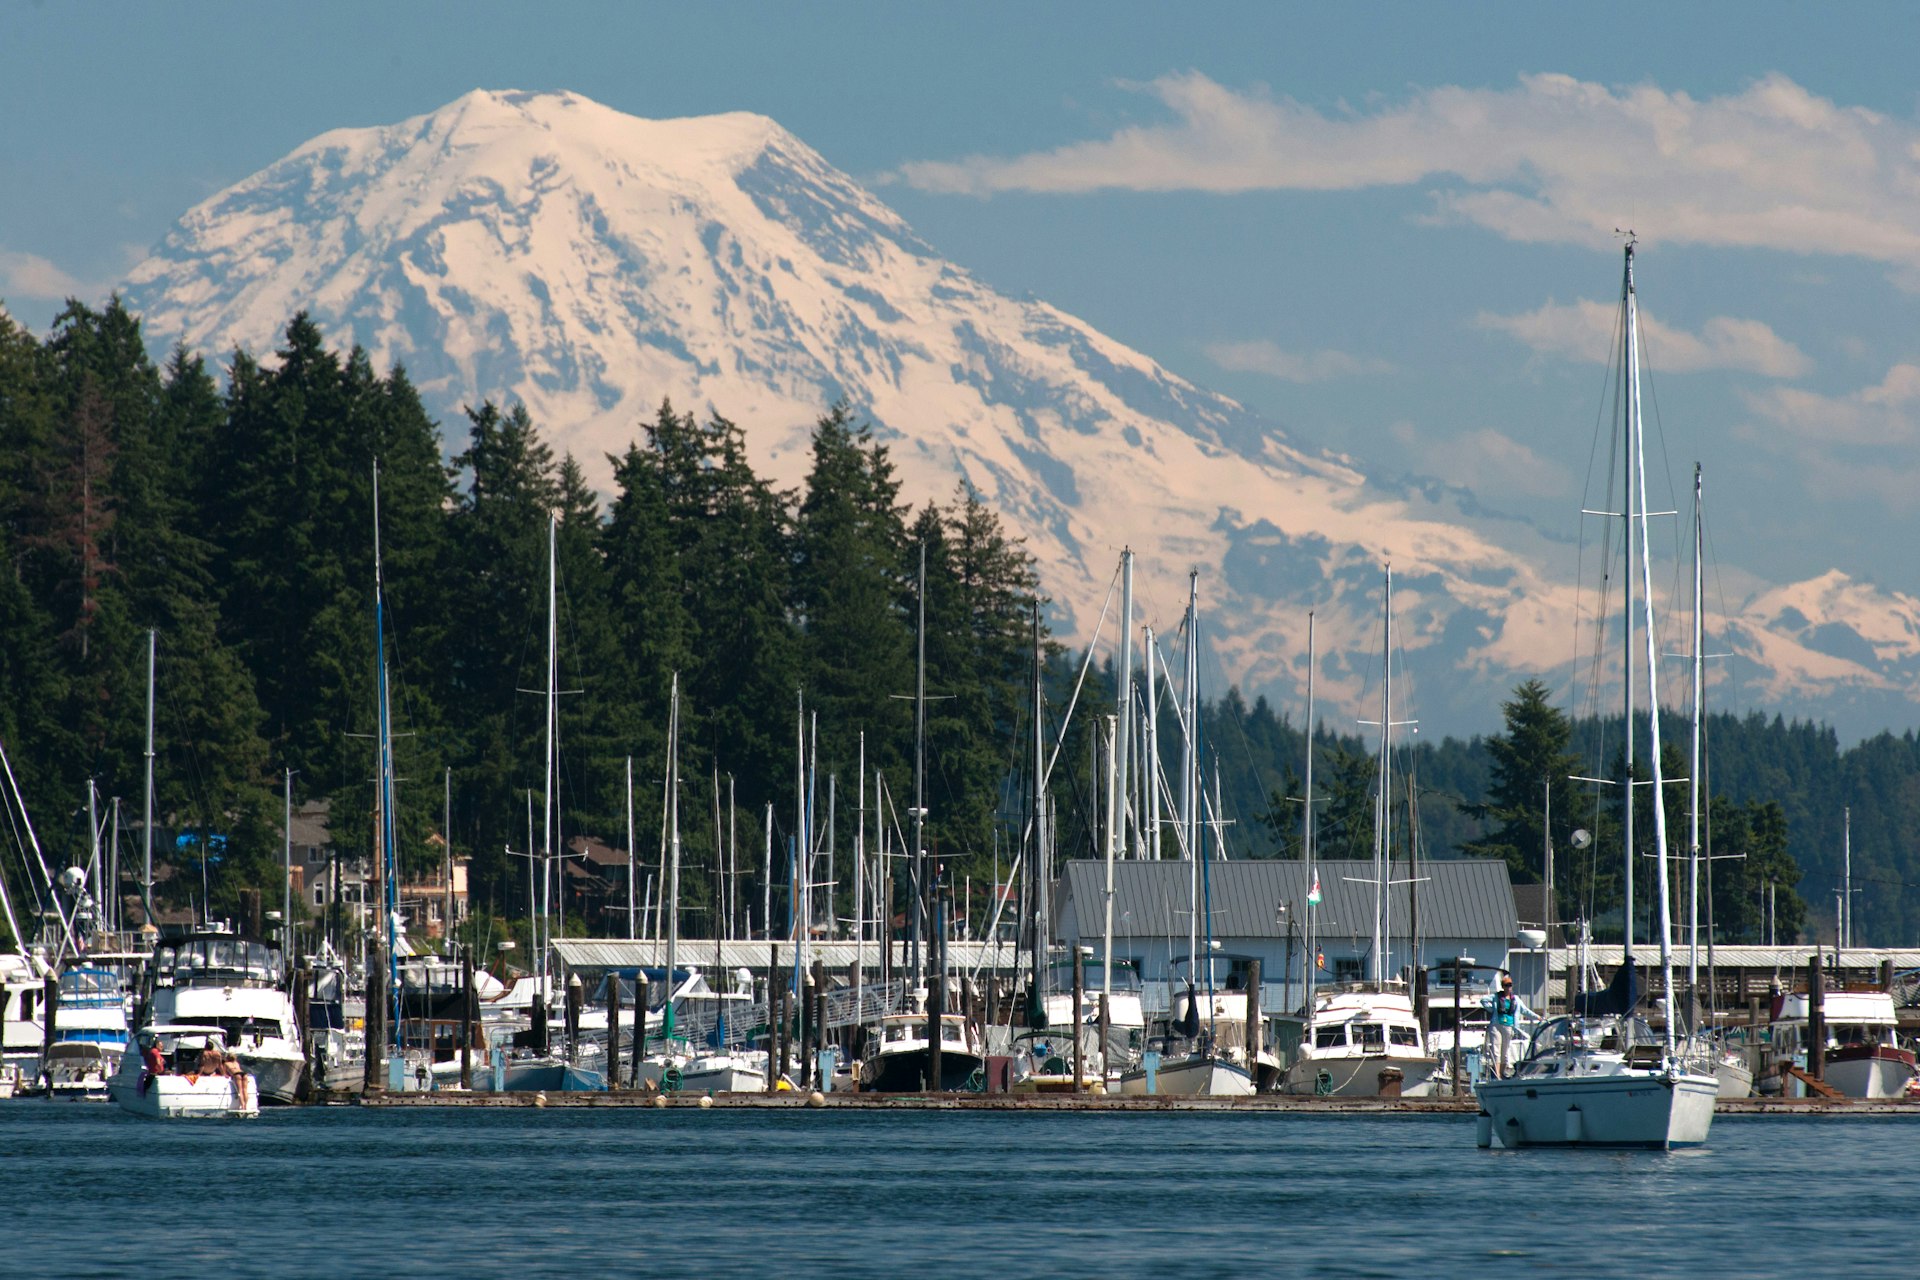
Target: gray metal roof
[(651, 953), (1791, 960), (1464, 898)]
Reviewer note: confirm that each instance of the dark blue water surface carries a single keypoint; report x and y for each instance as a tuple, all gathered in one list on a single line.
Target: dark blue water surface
[(344, 1191)]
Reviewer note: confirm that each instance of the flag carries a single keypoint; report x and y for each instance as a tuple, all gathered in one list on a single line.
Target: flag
[(1313, 894)]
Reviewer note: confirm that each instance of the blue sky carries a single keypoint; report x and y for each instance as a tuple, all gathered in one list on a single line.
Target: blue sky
[(1375, 224)]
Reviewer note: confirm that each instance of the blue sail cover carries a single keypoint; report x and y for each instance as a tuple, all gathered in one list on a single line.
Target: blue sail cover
[(1620, 998), (1190, 1020)]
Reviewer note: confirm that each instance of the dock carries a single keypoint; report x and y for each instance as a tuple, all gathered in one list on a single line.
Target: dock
[(1068, 1102)]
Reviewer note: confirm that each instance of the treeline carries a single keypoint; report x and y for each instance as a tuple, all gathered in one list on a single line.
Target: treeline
[(235, 517), (1780, 794)]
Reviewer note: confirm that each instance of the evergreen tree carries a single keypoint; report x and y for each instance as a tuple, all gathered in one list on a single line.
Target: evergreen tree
[(1531, 762)]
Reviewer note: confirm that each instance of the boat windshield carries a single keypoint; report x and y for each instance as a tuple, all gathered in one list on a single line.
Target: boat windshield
[(189, 960), (1607, 1035)]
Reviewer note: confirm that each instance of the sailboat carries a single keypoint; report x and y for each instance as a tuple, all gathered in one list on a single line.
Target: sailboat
[(1600, 1077), (1363, 1039), (902, 1053), (1197, 1064)]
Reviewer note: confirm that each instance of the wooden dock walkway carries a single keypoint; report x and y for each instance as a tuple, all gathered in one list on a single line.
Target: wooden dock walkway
[(1063, 1102)]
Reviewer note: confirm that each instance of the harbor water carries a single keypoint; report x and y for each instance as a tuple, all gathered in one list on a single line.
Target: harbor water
[(429, 1191)]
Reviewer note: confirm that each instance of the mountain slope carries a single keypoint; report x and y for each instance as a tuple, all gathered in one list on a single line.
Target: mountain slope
[(545, 247)]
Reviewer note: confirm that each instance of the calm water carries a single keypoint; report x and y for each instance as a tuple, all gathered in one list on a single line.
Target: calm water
[(341, 1191)]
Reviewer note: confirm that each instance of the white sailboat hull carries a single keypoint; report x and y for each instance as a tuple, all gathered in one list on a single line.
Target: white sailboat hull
[(1650, 1109), (1357, 1077), (724, 1074), (1195, 1077), (1734, 1079)]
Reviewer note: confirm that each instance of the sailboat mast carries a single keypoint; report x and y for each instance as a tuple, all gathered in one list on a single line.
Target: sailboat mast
[(921, 887), (1638, 462), (1632, 375), (673, 844), (632, 858), (1189, 776), (1693, 759), (552, 728), (1150, 759), (1308, 965), (388, 888), (1383, 804), (146, 809), (1123, 712), (860, 873), (1114, 732), (1036, 849)]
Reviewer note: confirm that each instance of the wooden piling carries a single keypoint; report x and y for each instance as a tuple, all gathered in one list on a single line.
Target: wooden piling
[(1816, 1018), (49, 1014), (1079, 1020), (1106, 1037), (1254, 1037), (822, 1081), (1455, 1055), (576, 1002), (640, 1007), (467, 1010), (374, 1077), (1421, 1003), (785, 1029), (613, 1031)]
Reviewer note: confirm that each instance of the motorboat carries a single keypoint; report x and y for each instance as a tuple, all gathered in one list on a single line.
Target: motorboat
[(1862, 1055), (209, 977), (1361, 1040), (898, 1057), (90, 1034), (165, 1077)]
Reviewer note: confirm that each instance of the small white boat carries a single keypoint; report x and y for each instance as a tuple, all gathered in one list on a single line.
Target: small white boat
[(737, 1071), (78, 1070), (180, 1088)]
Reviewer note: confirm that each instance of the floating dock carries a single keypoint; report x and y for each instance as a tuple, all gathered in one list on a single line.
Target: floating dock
[(1065, 1102)]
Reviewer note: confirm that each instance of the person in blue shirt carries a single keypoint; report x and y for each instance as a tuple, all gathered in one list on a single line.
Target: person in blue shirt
[(1507, 1009)]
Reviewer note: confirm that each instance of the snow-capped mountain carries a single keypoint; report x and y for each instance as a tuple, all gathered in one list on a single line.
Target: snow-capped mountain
[(545, 247)]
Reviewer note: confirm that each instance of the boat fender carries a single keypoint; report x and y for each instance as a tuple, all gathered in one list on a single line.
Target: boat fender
[(816, 1099), (540, 1099), (1574, 1128), (1483, 1131), (659, 1100), (706, 1102)]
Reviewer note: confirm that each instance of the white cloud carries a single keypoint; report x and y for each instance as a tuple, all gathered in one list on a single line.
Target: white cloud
[(1551, 159), (1588, 330), (1261, 356), (1885, 414), (28, 275), (1484, 461)]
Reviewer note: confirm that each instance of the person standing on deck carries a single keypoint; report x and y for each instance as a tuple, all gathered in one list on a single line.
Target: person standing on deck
[(1507, 1009)]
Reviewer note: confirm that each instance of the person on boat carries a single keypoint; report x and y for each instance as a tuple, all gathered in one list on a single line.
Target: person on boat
[(1507, 1009), (231, 1068)]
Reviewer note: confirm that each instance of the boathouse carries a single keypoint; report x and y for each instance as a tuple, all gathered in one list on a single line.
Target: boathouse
[(1258, 909)]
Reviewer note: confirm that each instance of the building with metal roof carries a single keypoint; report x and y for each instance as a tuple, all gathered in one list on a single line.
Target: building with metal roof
[(1258, 909)]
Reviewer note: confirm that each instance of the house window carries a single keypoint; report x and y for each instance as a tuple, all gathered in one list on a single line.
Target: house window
[(319, 896), (1346, 968)]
